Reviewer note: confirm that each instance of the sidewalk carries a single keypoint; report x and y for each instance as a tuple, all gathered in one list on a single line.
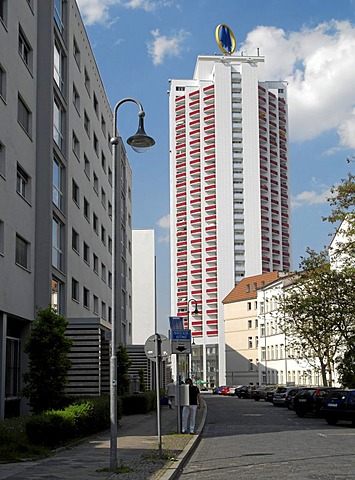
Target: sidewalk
[(137, 449)]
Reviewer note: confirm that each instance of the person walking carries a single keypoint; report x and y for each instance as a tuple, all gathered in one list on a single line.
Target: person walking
[(191, 409), (170, 393)]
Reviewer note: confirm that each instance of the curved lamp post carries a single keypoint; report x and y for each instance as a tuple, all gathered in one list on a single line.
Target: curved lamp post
[(195, 312), (140, 142)]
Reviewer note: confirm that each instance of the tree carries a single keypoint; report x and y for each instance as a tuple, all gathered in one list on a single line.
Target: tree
[(318, 310), (346, 367), (49, 364), (342, 202), (123, 364), (142, 385)]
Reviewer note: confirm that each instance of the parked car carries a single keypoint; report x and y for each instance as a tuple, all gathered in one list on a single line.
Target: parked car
[(270, 394), (244, 391), (260, 393), (280, 395), (310, 400), (216, 390), (339, 405), (290, 397), (224, 390)]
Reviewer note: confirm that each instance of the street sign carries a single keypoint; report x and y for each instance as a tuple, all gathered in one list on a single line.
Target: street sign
[(176, 323), (151, 347), (180, 341)]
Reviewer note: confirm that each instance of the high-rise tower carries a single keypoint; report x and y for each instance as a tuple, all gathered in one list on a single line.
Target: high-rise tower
[(229, 193)]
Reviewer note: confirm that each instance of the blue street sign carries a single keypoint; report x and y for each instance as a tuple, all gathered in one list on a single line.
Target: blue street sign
[(176, 323), (181, 335)]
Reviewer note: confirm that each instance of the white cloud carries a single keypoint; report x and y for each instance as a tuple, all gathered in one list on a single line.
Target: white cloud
[(162, 46), (164, 222), (319, 66), (310, 198), (96, 11)]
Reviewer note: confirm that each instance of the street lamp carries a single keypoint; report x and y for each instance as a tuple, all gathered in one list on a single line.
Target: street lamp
[(140, 142), (195, 312)]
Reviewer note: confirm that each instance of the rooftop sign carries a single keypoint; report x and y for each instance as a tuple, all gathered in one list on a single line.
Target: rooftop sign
[(225, 39)]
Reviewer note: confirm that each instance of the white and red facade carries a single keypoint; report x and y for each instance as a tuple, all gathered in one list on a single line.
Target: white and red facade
[(229, 193)]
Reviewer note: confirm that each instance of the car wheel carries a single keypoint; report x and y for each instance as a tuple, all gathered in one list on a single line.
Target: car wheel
[(331, 421)]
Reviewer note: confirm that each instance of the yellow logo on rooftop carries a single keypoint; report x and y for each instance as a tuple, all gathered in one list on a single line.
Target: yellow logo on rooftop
[(225, 39)]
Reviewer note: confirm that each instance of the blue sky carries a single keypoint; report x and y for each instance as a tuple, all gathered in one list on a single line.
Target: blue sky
[(140, 44)]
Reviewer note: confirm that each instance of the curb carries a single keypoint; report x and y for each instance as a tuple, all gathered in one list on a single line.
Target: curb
[(172, 470)]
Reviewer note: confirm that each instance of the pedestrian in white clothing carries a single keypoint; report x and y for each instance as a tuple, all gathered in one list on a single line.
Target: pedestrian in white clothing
[(170, 393)]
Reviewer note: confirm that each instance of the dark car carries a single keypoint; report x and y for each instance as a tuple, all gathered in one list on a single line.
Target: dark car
[(260, 393), (310, 400), (270, 394), (243, 392), (290, 398), (339, 405)]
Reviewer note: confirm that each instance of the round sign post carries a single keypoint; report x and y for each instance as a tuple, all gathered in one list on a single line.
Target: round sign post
[(157, 348)]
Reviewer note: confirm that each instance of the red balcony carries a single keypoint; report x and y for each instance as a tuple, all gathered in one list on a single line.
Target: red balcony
[(212, 322), (212, 333), (208, 89), (211, 249)]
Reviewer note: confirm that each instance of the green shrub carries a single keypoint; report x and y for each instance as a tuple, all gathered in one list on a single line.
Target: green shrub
[(138, 403)]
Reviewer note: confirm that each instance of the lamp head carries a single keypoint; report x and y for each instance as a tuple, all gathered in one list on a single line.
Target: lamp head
[(141, 142)]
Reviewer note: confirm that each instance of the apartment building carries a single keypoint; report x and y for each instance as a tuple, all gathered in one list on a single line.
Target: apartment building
[(241, 319), (229, 188), (56, 238)]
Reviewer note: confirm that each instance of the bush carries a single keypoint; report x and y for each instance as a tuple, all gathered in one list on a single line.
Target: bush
[(55, 427), (138, 403)]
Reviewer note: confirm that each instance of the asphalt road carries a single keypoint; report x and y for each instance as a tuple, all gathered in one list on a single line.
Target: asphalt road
[(248, 440)]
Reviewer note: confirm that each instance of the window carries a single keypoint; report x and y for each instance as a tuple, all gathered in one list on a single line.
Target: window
[(58, 13), (247, 288), (250, 342), (24, 48), (12, 370), (75, 240), (57, 240), (256, 323), (255, 286), (95, 223), (2, 159), (96, 183), (109, 279), (23, 183), (56, 295), (74, 290), (110, 176), (248, 305), (86, 297), (103, 310), (86, 166), (3, 11), (76, 146), (87, 81), (103, 125), (58, 182), (87, 123), (103, 197), (2, 238), (58, 67), (95, 262), (109, 209), (22, 252), (256, 342), (75, 193), (96, 305), (76, 53), (180, 89), (96, 105), (24, 116), (251, 365), (58, 122), (109, 243), (96, 145), (249, 324), (103, 235), (2, 83), (86, 250), (103, 162), (103, 272), (86, 210), (76, 98)]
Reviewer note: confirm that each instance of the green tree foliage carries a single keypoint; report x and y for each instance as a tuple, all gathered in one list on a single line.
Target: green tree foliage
[(318, 310), (48, 350), (346, 367), (123, 364), (342, 203)]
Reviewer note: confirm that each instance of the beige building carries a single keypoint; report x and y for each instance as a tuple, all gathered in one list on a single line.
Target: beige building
[(241, 329)]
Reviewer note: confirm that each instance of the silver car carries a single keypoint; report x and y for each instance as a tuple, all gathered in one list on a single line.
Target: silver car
[(280, 395)]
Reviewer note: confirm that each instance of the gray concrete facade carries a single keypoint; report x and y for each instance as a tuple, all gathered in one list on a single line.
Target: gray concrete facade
[(56, 237)]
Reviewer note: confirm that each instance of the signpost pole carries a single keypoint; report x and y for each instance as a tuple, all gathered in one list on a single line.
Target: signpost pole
[(157, 374), (177, 395)]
